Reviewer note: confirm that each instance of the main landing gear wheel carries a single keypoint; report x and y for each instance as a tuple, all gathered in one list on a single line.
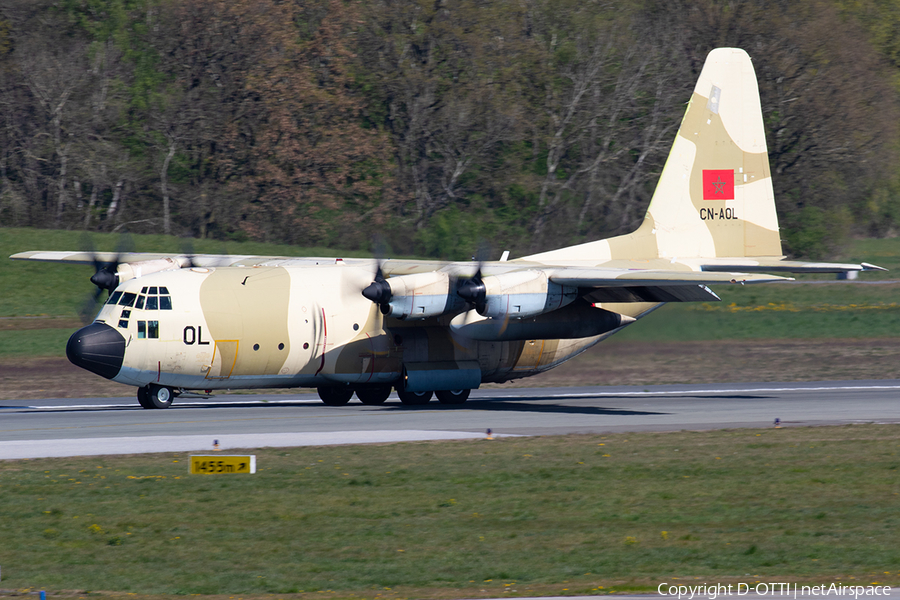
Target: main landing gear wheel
[(452, 396), (155, 396), (335, 396), (374, 396), (414, 398)]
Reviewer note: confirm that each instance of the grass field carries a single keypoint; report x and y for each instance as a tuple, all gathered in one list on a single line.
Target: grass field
[(569, 515)]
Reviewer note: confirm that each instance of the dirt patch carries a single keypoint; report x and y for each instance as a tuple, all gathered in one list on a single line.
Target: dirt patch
[(610, 363), (34, 378), (650, 363)]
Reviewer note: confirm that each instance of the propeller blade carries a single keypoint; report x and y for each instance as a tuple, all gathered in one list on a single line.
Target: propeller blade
[(473, 290), (187, 248), (105, 273), (379, 291), (89, 309)]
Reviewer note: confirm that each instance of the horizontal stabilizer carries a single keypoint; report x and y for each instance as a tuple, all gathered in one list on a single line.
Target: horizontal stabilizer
[(786, 266), (603, 278)]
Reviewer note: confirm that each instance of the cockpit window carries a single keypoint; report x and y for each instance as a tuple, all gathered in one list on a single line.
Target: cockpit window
[(140, 302), (127, 299), (148, 329), (152, 303), (165, 302), (114, 298)]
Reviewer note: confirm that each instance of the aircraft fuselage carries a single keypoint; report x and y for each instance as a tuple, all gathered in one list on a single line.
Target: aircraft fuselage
[(252, 327)]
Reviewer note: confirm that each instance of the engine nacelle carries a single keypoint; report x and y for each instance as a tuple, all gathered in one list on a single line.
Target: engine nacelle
[(422, 295), (127, 271), (523, 294), (108, 280)]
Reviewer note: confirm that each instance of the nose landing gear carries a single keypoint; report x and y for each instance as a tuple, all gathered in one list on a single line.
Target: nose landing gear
[(155, 396)]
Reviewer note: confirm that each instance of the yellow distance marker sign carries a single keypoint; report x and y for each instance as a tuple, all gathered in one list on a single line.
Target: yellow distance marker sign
[(207, 465)]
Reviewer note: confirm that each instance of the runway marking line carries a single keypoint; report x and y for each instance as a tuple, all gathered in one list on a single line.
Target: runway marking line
[(510, 392), (728, 391)]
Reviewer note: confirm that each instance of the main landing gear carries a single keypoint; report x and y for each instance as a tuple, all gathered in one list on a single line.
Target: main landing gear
[(452, 396), (155, 396), (375, 395), (340, 395)]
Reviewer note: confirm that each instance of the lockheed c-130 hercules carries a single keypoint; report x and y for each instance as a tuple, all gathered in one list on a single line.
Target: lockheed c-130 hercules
[(175, 323)]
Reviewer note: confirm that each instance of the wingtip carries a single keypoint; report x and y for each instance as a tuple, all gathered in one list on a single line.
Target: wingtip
[(871, 267)]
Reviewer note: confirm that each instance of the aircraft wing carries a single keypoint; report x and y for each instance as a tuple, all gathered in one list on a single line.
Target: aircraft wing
[(596, 284), (738, 267), (89, 258)]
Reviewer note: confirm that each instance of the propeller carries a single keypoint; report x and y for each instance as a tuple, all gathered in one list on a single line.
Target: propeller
[(473, 290), (188, 258), (104, 277), (187, 249), (379, 291)]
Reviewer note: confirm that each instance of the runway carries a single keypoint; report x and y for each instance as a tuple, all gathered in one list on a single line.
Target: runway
[(94, 426)]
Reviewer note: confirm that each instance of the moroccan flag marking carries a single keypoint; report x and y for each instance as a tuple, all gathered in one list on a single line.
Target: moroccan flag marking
[(718, 184)]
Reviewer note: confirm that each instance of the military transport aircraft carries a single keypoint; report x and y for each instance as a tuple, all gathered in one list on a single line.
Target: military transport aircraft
[(175, 323)]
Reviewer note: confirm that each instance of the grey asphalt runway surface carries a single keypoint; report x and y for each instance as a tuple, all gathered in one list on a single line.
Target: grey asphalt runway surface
[(94, 426)]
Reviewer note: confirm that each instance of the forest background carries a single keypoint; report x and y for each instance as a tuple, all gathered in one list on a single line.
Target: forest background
[(430, 124)]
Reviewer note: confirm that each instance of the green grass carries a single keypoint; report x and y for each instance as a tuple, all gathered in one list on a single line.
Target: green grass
[(34, 342), (563, 514), (884, 253), (778, 311)]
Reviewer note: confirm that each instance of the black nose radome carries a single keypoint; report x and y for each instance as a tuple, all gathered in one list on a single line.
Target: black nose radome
[(98, 348)]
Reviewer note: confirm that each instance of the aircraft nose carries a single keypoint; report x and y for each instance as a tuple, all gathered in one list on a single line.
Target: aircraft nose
[(98, 348)]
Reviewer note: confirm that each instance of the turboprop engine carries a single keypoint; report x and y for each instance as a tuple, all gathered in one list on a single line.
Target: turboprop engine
[(417, 296), (516, 295), (111, 276)]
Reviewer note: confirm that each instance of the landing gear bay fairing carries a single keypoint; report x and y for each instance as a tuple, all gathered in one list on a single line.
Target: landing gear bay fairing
[(176, 323)]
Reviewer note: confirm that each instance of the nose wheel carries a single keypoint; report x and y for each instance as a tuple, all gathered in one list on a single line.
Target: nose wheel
[(155, 396)]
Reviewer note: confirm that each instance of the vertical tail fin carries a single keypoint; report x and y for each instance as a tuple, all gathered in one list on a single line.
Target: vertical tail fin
[(714, 197)]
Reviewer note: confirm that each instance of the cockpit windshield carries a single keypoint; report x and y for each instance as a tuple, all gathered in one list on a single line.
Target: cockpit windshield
[(155, 298), (150, 298), (127, 299)]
